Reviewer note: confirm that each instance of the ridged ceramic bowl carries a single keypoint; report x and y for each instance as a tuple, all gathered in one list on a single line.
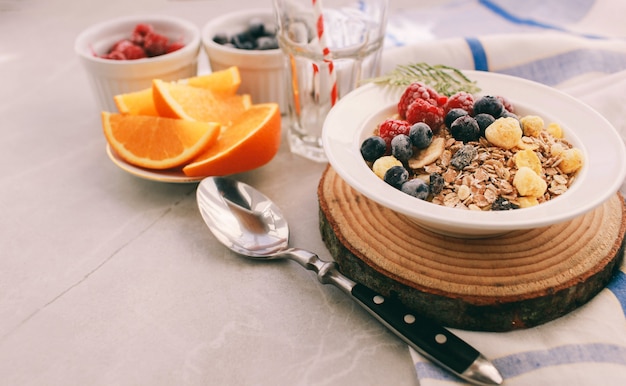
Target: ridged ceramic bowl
[(262, 71), (111, 77)]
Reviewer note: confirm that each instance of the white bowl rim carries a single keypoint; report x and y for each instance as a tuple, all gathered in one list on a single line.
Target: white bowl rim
[(212, 26), (592, 188), (83, 40)]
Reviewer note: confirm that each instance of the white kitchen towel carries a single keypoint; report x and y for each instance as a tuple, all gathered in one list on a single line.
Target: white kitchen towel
[(576, 46)]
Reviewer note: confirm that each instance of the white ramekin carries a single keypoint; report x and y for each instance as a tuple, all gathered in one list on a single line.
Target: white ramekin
[(262, 71), (111, 77)]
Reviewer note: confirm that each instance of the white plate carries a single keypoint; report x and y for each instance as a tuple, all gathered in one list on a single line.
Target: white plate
[(171, 176), (355, 116)]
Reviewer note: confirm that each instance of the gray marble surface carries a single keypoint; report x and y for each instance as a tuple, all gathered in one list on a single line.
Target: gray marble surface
[(108, 279)]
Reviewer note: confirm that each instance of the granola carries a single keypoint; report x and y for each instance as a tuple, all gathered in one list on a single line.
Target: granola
[(491, 173), (477, 154)]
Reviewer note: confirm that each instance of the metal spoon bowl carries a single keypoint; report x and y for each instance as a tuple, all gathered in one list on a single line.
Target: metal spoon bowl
[(250, 224), (242, 218)]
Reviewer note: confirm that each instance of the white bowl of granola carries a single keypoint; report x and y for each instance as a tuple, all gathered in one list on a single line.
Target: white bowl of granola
[(469, 202)]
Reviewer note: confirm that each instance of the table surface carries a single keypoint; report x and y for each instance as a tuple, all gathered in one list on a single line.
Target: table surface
[(106, 278)]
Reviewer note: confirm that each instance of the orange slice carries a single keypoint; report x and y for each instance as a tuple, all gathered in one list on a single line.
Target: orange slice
[(175, 100), (225, 82), (156, 142), (252, 141), (136, 103)]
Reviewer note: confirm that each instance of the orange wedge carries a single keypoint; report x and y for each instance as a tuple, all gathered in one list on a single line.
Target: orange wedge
[(175, 100), (136, 103), (252, 141), (156, 142), (225, 82)]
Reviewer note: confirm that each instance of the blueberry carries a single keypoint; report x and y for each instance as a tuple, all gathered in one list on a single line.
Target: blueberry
[(484, 120), (266, 43), (489, 105), (242, 41), (416, 188), (508, 114), (452, 115), (436, 183), (256, 36), (503, 204), (401, 147), (421, 135), (221, 39), (463, 157), (256, 27), (396, 176), (373, 148), (465, 128)]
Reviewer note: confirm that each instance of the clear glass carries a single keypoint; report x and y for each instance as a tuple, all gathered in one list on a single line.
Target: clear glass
[(326, 58)]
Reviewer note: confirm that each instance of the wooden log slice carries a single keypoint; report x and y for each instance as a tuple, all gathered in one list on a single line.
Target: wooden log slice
[(517, 280)]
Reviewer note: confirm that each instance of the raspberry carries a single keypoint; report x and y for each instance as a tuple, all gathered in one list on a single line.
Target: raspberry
[(460, 100), (120, 45), (508, 106), (174, 47), (126, 50), (140, 32), (417, 90), (392, 127), (134, 52), (422, 111), (114, 55), (143, 43), (155, 44)]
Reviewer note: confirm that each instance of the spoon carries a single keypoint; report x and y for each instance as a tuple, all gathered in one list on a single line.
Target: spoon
[(250, 224)]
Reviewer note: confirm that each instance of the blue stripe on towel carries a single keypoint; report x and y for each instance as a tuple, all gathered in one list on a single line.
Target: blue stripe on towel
[(528, 361), (478, 53), (559, 68), (618, 287), (577, 9)]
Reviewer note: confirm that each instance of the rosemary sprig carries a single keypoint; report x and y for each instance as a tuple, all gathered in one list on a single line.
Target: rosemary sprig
[(445, 79)]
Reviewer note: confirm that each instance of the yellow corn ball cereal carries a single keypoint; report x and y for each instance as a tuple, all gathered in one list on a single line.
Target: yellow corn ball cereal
[(572, 160), (383, 164), (529, 159), (555, 130), (504, 133), (531, 125), (527, 202), (557, 149), (528, 183)]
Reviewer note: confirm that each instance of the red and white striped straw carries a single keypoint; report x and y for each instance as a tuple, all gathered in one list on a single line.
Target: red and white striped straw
[(328, 58)]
